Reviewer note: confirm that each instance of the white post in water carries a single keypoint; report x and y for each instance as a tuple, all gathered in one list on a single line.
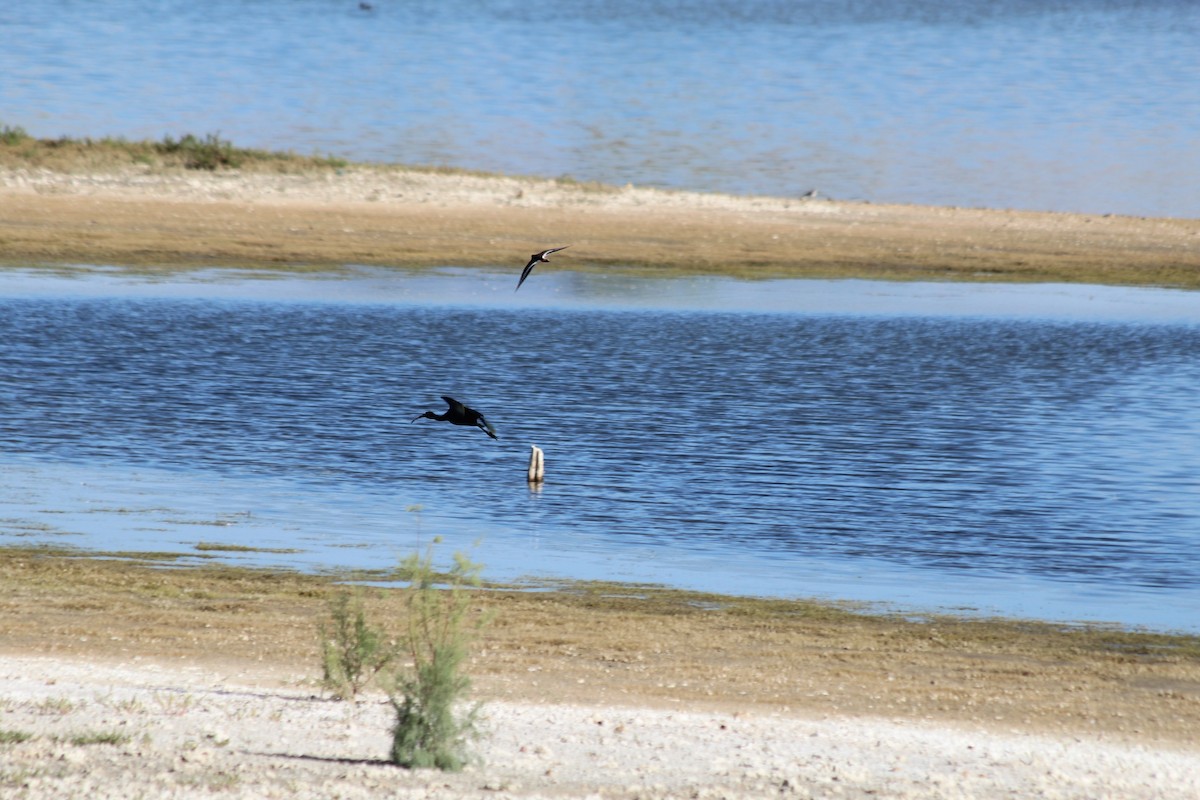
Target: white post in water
[(537, 464)]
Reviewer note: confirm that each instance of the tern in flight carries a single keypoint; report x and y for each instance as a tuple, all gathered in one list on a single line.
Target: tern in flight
[(458, 414), (535, 259)]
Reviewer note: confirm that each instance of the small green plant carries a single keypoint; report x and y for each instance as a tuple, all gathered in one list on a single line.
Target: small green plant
[(14, 737), (416, 510), (55, 705), (352, 651), (173, 703), (429, 730), (101, 737)]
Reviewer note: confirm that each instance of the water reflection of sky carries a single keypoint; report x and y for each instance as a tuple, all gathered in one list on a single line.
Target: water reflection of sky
[(107, 504), (584, 290), (312, 528), (1072, 105)]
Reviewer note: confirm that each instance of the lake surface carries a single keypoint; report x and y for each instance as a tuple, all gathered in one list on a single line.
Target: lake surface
[(1072, 105), (1024, 450)]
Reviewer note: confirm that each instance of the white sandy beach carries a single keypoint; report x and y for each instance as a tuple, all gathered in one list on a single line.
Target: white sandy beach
[(185, 731)]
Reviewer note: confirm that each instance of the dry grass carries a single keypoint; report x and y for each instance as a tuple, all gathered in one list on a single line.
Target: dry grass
[(615, 644)]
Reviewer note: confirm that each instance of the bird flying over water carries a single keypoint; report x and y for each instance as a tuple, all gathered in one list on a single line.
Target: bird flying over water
[(535, 259), (458, 414)]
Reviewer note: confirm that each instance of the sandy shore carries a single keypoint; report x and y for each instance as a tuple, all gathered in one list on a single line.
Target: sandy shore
[(164, 730), (119, 678), (157, 218)]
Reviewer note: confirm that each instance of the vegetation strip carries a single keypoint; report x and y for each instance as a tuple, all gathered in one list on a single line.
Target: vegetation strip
[(630, 645), (209, 152)]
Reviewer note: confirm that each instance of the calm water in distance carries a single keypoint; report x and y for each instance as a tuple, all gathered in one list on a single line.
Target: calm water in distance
[(1039, 460), (1071, 105)]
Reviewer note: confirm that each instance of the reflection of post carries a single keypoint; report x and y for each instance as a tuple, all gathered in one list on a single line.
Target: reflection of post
[(537, 465)]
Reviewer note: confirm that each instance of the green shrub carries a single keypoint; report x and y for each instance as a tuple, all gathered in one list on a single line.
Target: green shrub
[(105, 737), (352, 652), (11, 135), (14, 737), (429, 730), (210, 153)]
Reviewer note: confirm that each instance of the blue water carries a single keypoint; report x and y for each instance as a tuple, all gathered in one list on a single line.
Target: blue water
[(1072, 105), (1017, 450)]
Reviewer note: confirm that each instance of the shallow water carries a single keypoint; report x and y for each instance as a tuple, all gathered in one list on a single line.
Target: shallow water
[(899, 443), (1073, 105)]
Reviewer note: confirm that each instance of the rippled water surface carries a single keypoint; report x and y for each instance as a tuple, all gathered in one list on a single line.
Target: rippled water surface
[(1038, 463), (1072, 105)]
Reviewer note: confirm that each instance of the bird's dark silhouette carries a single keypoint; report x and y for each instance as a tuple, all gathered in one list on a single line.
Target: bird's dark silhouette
[(535, 259), (458, 414)]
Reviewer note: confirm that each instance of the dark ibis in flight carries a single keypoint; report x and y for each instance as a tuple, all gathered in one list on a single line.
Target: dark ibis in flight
[(458, 414), (535, 259)]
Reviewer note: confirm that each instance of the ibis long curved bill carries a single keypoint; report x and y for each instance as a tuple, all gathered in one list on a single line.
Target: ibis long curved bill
[(459, 414)]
